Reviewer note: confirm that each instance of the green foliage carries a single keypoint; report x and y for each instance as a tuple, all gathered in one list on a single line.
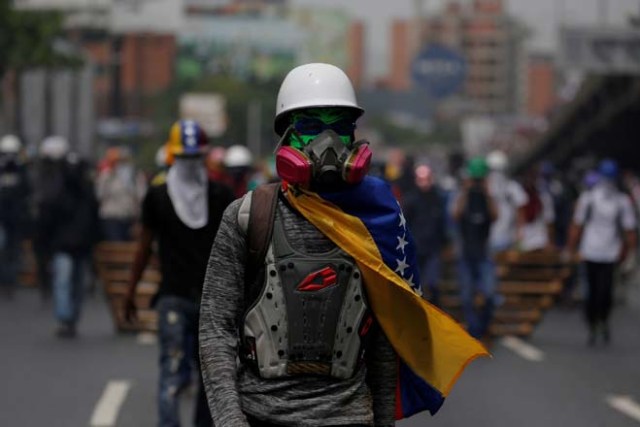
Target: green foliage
[(27, 39)]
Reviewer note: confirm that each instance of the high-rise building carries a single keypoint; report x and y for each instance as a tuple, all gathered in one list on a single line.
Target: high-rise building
[(542, 85), (491, 41)]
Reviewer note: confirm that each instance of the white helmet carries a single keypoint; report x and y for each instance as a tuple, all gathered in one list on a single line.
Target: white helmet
[(161, 157), (313, 85), (10, 144), (54, 147), (497, 161), (237, 156)]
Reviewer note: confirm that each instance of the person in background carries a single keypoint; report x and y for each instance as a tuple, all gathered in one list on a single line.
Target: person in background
[(119, 188), (182, 214), (215, 164), (48, 184), (14, 211), (238, 163), (162, 165), (556, 185), (474, 210), (538, 216), (425, 210), (72, 231), (510, 198), (604, 227)]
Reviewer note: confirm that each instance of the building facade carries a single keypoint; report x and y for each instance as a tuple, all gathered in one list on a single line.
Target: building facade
[(490, 40)]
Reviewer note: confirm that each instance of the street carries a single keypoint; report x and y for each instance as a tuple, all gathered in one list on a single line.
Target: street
[(105, 379)]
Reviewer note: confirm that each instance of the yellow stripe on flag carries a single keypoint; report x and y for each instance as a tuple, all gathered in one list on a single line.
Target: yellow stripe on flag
[(431, 343)]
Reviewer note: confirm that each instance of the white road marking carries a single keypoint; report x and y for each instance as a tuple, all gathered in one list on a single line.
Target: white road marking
[(147, 338), (522, 349), (626, 405), (108, 407)]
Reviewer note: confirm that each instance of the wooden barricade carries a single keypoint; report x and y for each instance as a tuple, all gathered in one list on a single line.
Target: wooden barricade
[(113, 261), (528, 284), (28, 274)]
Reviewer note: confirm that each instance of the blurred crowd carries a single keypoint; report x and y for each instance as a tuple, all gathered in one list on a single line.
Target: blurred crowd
[(476, 210), (63, 205), (469, 212)]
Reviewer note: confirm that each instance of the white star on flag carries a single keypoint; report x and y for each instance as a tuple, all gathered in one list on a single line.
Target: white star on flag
[(403, 221), (402, 266), (401, 243), (410, 282)]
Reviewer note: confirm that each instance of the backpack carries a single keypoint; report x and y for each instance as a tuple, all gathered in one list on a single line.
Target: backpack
[(259, 227), (475, 223)]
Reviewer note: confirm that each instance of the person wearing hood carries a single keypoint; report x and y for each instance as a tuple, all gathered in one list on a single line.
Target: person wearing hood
[(182, 214), (604, 227)]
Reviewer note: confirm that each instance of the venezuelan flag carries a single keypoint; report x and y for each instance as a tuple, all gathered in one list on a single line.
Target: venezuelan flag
[(366, 221)]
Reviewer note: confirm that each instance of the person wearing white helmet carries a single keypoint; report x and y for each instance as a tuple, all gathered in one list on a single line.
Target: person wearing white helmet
[(67, 228), (49, 175), (54, 147), (14, 212), (238, 164), (289, 286)]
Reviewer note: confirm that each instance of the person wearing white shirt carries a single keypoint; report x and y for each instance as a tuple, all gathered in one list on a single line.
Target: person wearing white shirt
[(604, 225), (538, 216), (509, 198)]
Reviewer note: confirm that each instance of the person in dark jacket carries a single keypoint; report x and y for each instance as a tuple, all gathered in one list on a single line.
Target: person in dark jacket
[(474, 210), (48, 184), (74, 224), (425, 210), (14, 212)]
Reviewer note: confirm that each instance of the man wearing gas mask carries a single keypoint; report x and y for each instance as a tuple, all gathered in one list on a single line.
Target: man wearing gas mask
[(311, 283)]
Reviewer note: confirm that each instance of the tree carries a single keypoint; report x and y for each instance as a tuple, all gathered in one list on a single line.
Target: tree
[(30, 39)]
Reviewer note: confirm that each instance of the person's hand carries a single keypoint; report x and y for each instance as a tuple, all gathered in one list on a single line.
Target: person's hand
[(130, 308)]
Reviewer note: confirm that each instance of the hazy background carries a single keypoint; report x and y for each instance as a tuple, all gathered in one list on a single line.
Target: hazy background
[(542, 16)]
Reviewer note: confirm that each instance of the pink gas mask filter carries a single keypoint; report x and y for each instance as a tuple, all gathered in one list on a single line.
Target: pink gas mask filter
[(326, 161)]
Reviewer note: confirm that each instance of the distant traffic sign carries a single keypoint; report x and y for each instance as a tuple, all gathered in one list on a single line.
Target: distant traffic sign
[(439, 69)]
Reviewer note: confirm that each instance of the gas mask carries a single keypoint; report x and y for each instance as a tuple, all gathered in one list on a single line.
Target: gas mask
[(324, 163)]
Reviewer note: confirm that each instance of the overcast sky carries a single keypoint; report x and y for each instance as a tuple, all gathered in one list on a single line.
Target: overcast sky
[(542, 16)]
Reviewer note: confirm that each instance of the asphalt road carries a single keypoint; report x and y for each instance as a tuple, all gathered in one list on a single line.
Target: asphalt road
[(553, 379)]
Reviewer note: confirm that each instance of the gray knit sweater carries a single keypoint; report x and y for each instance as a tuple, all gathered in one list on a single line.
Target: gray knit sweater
[(368, 398)]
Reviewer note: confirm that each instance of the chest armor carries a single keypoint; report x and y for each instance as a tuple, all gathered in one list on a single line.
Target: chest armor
[(311, 316)]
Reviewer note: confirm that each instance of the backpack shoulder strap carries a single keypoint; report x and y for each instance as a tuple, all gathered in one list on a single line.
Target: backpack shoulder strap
[(259, 230)]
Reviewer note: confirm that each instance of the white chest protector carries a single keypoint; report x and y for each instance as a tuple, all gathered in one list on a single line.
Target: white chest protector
[(311, 315)]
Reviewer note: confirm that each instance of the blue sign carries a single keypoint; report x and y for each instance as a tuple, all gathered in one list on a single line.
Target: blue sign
[(440, 70)]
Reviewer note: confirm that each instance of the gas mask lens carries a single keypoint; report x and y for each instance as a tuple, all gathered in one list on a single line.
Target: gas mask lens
[(313, 126)]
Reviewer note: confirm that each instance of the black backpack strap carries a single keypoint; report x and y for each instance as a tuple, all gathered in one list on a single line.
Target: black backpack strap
[(260, 229)]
